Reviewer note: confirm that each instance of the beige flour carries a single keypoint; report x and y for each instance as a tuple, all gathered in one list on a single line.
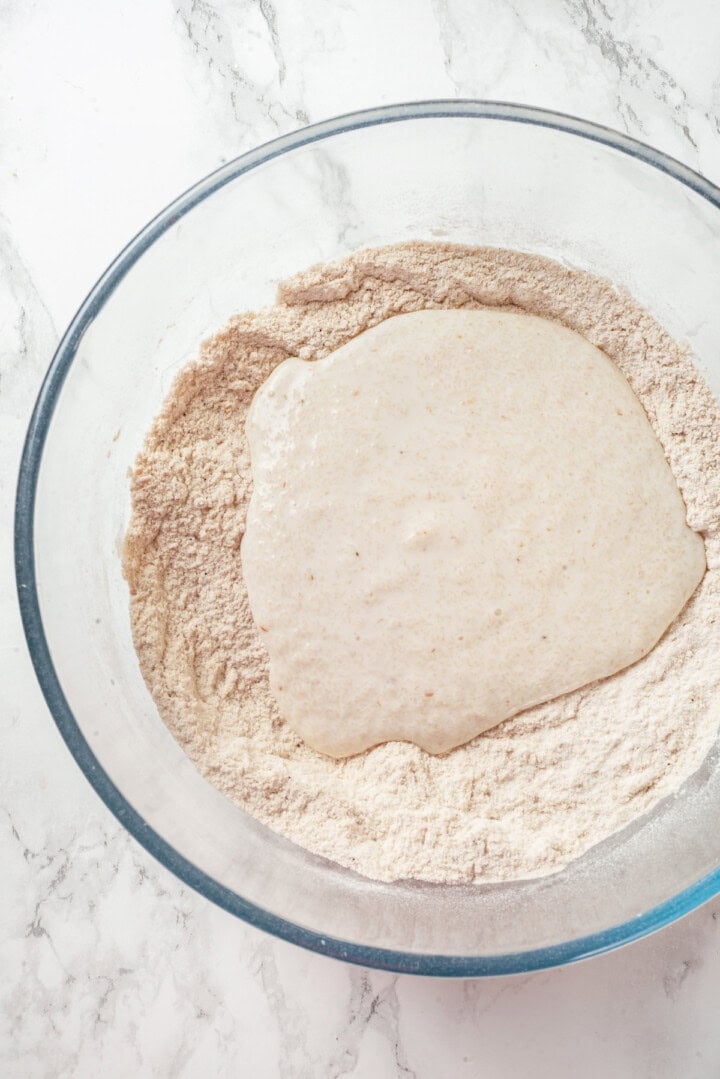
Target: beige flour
[(520, 800)]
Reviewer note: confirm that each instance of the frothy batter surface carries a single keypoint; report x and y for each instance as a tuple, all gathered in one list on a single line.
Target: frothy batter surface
[(525, 797), (456, 516)]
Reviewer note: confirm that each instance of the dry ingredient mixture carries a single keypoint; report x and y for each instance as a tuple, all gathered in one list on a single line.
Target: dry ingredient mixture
[(520, 800)]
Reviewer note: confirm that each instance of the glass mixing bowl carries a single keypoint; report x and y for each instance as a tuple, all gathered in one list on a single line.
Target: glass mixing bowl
[(480, 173)]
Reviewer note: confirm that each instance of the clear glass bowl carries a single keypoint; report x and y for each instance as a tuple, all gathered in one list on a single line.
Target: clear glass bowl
[(481, 173)]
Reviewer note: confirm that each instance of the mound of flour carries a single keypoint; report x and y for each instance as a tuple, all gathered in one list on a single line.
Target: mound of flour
[(520, 800)]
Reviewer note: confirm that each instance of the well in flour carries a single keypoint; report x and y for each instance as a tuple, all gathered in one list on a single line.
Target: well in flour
[(456, 516)]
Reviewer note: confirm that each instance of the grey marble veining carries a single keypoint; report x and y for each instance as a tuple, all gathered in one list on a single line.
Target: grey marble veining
[(110, 966)]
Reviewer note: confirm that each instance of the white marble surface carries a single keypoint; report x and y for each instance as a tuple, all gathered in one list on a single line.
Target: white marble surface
[(109, 966)]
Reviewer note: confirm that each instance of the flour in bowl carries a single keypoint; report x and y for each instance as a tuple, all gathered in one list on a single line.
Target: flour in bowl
[(521, 799)]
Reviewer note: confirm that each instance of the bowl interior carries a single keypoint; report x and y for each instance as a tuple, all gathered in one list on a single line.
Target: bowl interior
[(469, 178)]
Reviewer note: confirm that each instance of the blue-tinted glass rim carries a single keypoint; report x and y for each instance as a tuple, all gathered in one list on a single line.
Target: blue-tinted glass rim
[(382, 958)]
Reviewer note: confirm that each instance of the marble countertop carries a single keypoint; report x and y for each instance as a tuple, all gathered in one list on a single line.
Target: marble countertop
[(110, 966)]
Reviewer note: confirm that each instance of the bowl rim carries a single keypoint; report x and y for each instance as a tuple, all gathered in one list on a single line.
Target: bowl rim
[(381, 958)]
